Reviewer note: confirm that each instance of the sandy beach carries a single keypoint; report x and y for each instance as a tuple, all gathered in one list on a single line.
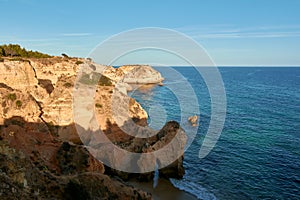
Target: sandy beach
[(164, 190)]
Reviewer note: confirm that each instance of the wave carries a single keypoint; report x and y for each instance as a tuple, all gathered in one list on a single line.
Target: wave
[(194, 189)]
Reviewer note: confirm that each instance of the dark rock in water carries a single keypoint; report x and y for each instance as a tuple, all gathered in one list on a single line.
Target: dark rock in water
[(165, 135), (156, 142)]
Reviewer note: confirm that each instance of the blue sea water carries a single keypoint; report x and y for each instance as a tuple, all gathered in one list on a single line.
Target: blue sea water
[(258, 153)]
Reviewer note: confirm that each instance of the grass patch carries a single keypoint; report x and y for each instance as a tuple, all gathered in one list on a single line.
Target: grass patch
[(18, 103), (12, 96), (105, 81), (68, 85)]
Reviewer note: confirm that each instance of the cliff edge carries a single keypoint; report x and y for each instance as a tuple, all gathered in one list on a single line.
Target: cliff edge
[(38, 136)]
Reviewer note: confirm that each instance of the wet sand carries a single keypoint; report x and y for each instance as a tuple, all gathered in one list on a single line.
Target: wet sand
[(163, 191)]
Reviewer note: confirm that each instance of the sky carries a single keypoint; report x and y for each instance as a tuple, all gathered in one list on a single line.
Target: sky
[(233, 32)]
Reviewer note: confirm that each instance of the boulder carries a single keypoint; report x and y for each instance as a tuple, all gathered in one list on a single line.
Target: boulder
[(193, 120)]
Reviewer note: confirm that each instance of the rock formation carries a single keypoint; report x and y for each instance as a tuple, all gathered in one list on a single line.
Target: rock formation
[(193, 120), (134, 74), (23, 177), (42, 155)]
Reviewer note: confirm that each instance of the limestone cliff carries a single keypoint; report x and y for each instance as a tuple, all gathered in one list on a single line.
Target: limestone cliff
[(134, 74), (36, 120)]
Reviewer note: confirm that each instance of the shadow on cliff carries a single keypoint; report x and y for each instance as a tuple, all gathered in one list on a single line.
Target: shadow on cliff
[(35, 163), (129, 143), (60, 149)]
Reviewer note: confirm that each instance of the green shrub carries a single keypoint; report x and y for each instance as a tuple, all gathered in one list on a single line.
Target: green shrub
[(98, 105), (95, 78), (65, 55), (68, 85), (18, 103), (90, 79), (105, 81), (15, 50), (78, 62), (12, 96)]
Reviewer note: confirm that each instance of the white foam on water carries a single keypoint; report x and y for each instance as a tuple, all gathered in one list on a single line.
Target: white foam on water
[(193, 188)]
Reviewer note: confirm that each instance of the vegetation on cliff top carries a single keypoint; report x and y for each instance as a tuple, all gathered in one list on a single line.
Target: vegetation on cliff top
[(15, 50), (94, 78)]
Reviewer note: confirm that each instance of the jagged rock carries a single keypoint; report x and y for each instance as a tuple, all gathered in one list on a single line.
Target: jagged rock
[(57, 109), (174, 154), (170, 132), (21, 178), (53, 68), (18, 74), (17, 103), (37, 120), (96, 186), (113, 106), (115, 74), (193, 120), (141, 74), (134, 74), (73, 159)]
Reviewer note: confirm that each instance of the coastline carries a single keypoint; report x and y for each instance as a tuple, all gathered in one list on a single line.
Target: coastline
[(164, 190), (30, 86)]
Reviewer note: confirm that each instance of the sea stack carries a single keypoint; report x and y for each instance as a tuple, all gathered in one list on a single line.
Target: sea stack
[(193, 120)]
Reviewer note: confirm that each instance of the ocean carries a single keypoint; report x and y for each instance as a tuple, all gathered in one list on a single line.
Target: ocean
[(258, 153)]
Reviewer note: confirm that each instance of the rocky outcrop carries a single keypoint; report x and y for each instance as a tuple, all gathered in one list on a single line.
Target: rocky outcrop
[(39, 139), (17, 103), (134, 74), (24, 178), (113, 106), (73, 159), (53, 68), (18, 74), (22, 76), (141, 74), (163, 138), (193, 120)]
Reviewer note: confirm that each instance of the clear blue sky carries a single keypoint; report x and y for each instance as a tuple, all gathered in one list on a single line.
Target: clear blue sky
[(234, 32)]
